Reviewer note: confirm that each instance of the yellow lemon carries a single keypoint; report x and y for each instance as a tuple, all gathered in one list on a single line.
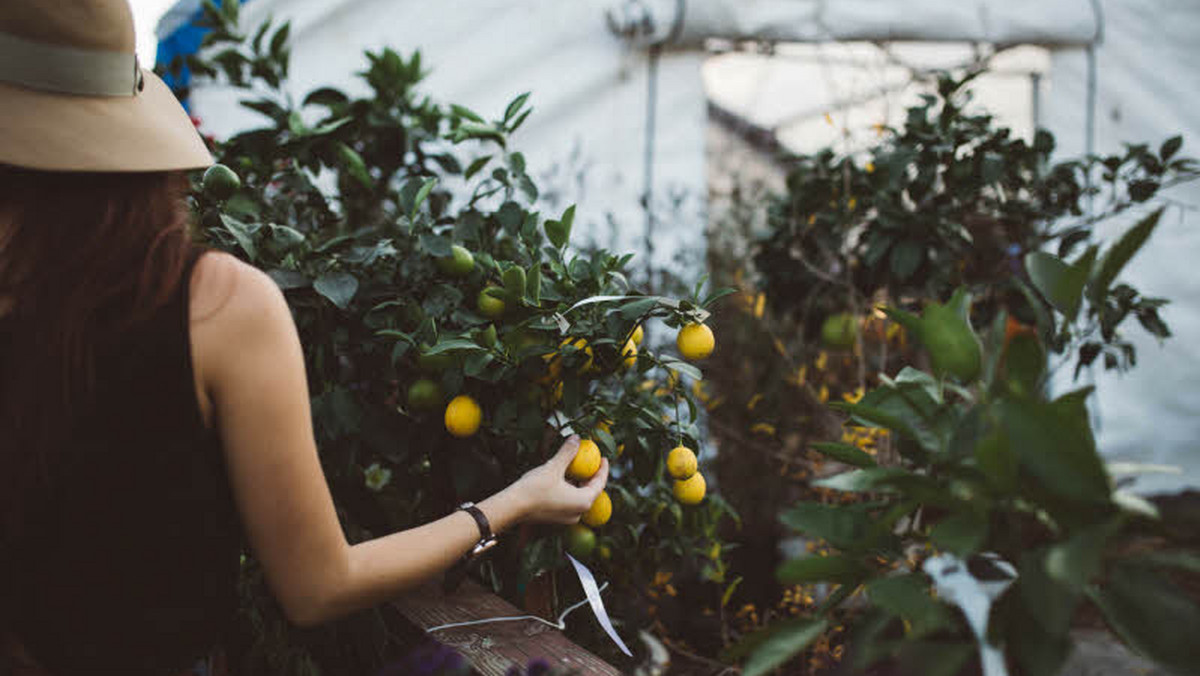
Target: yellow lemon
[(604, 425), (638, 335), (629, 354), (695, 341), (580, 344), (681, 462), (620, 449), (463, 416), (586, 462), (600, 511), (691, 491)]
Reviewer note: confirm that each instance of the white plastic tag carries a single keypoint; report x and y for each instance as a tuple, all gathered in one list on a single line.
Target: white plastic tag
[(593, 596)]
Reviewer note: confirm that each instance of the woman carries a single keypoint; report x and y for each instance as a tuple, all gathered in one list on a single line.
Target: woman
[(153, 403)]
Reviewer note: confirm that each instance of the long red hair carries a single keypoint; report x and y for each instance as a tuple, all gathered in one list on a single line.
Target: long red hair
[(84, 257)]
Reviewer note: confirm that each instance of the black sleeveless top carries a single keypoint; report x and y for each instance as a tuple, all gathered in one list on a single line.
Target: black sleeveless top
[(131, 566)]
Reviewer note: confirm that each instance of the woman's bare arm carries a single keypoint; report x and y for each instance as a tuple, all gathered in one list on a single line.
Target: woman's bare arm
[(251, 367)]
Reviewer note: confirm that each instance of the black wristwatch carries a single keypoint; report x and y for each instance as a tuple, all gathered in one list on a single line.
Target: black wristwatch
[(487, 540)]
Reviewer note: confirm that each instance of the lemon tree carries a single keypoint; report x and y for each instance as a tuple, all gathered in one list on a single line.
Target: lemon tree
[(453, 335)]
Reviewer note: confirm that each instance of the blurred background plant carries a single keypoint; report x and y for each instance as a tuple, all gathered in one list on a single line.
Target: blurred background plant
[(952, 199)]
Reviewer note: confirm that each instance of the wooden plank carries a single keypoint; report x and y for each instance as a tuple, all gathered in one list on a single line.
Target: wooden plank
[(494, 647)]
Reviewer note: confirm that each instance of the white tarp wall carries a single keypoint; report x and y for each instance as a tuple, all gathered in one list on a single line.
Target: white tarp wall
[(1148, 89), (589, 94)]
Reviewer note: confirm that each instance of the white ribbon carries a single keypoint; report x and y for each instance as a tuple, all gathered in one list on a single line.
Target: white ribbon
[(593, 596)]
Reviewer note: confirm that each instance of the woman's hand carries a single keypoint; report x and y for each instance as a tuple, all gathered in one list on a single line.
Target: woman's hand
[(549, 497)]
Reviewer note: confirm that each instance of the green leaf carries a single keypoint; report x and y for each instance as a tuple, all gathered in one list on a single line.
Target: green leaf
[(786, 641), (861, 480), (684, 368), (1185, 561), (478, 164), (1059, 283), (933, 658), (463, 111), (905, 258), (962, 534), (1151, 614), (840, 568), (996, 459), (844, 453), (1169, 147), (908, 596), (876, 417), (279, 40), (353, 163), (515, 282), (556, 233), (1053, 441), (1119, 254), (1075, 562), (533, 284), (515, 106), (242, 233), (426, 188), (843, 526), (454, 345), (338, 287)]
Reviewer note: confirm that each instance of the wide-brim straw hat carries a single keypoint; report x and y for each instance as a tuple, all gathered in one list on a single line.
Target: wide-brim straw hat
[(73, 96)]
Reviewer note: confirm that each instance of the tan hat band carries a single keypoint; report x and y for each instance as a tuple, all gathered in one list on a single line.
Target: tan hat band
[(68, 70)]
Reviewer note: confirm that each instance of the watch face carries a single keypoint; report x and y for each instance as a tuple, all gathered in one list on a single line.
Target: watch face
[(484, 546)]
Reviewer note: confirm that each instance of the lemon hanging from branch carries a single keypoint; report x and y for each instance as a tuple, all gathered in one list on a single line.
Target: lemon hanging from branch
[(695, 341), (463, 416)]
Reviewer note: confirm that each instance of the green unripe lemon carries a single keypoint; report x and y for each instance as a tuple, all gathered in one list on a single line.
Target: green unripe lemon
[(434, 363), (839, 331), (459, 263), (580, 540), (953, 346), (220, 182), (424, 395), (488, 305)]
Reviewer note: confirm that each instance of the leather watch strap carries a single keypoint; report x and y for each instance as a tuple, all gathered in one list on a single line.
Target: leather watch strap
[(487, 539), (485, 528)]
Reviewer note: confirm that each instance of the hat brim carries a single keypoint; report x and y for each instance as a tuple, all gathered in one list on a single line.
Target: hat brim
[(57, 132)]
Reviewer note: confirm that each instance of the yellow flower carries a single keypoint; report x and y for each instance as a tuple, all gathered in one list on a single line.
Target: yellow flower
[(712, 405), (853, 203), (812, 219), (759, 305), (829, 119), (822, 360), (754, 401), (779, 347), (801, 375), (823, 395), (853, 398), (763, 428), (870, 168)]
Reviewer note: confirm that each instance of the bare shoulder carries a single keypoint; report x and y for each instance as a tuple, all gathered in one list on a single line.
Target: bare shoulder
[(237, 313), (225, 288)]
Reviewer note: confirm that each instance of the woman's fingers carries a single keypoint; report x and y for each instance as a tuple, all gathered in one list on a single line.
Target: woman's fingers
[(566, 452), (592, 488)]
